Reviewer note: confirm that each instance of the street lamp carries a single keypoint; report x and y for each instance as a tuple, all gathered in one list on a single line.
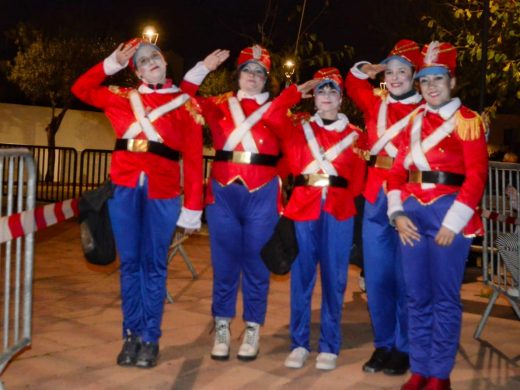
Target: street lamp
[(150, 35), (288, 68)]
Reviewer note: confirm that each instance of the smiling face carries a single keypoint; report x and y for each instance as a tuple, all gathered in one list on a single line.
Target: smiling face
[(436, 88), (398, 77), (150, 65), (327, 101), (252, 79)]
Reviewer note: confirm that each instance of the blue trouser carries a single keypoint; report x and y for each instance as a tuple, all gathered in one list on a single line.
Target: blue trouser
[(327, 242), (143, 230), (433, 276), (384, 277), (240, 223)]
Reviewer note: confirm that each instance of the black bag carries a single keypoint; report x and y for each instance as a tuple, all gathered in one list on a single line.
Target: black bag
[(281, 250), (97, 238)]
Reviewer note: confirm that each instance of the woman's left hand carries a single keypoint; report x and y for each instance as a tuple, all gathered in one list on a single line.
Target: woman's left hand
[(444, 236)]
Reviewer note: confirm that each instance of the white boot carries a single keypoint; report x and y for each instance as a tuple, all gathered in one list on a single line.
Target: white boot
[(326, 361), (297, 358), (220, 349), (251, 343)]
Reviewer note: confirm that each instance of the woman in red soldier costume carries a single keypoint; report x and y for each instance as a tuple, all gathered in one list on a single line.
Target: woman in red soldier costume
[(155, 125), (435, 185), (386, 115)]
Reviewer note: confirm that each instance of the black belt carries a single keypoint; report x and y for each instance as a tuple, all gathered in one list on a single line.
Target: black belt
[(144, 145), (384, 162), (319, 180), (436, 177), (246, 158)]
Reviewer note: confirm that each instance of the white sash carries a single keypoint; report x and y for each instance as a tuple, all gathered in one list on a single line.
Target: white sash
[(241, 133), (386, 135), (324, 160), (144, 121), (419, 149)]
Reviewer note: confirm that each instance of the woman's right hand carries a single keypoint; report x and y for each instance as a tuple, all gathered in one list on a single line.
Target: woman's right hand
[(307, 87), (408, 232), (371, 70), (214, 59), (125, 52)]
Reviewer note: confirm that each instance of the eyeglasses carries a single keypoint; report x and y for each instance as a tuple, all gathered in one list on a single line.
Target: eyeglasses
[(144, 61), (257, 72)]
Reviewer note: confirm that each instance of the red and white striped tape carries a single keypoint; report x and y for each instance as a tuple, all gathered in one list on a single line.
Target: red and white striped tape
[(30, 221)]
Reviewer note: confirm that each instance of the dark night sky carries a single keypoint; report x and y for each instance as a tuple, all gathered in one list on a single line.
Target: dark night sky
[(192, 28)]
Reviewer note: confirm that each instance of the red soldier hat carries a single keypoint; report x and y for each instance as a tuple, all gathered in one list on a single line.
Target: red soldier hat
[(438, 58), (329, 76), (256, 54), (406, 51)]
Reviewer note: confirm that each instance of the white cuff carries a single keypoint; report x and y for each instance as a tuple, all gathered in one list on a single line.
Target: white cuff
[(189, 219), (111, 66), (457, 217), (356, 72), (394, 202), (197, 74)]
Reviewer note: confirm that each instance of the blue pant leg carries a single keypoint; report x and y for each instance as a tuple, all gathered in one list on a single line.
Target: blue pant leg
[(383, 276), (416, 270), (260, 217), (226, 237), (447, 270), (126, 208), (159, 221), (303, 279), (334, 248)]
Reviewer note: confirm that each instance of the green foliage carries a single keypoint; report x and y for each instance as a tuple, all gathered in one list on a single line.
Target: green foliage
[(462, 26), (46, 66)]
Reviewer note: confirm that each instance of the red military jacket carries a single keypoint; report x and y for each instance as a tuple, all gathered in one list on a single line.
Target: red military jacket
[(217, 113), (305, 203), (180, 130), (371, 103), (462, 151)]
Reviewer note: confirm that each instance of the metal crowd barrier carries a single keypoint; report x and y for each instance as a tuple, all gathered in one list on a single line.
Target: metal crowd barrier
[(18, 180), (500, 247)]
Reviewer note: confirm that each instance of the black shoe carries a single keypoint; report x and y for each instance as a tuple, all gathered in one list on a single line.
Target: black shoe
[(128, 355), (148, 354), (398, 363), (377, 360)]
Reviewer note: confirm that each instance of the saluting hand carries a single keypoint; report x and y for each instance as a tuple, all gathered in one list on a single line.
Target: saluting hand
[(124, 52), (371, 70), (408, 232), (444, 236), (307, 87), (213, 60)]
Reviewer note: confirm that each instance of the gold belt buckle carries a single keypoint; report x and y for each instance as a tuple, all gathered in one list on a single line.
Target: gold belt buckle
[(318, 180), (415, 176), (242, 157), (137, 145), (384, 162)]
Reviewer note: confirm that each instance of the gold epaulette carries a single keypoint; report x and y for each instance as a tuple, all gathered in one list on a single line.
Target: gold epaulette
[(223, 98), (382, 93), (469, 129), (117, 90), (297, 117), (195, 111)]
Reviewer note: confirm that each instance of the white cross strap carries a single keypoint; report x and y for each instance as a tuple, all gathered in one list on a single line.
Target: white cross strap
[(143, 121), (324, 160), (241, 133)]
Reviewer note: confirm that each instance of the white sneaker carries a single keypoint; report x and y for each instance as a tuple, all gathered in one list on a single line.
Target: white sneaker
[(220, 349), (326, 361), (297, 358), (251, 343), (513, 292)]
